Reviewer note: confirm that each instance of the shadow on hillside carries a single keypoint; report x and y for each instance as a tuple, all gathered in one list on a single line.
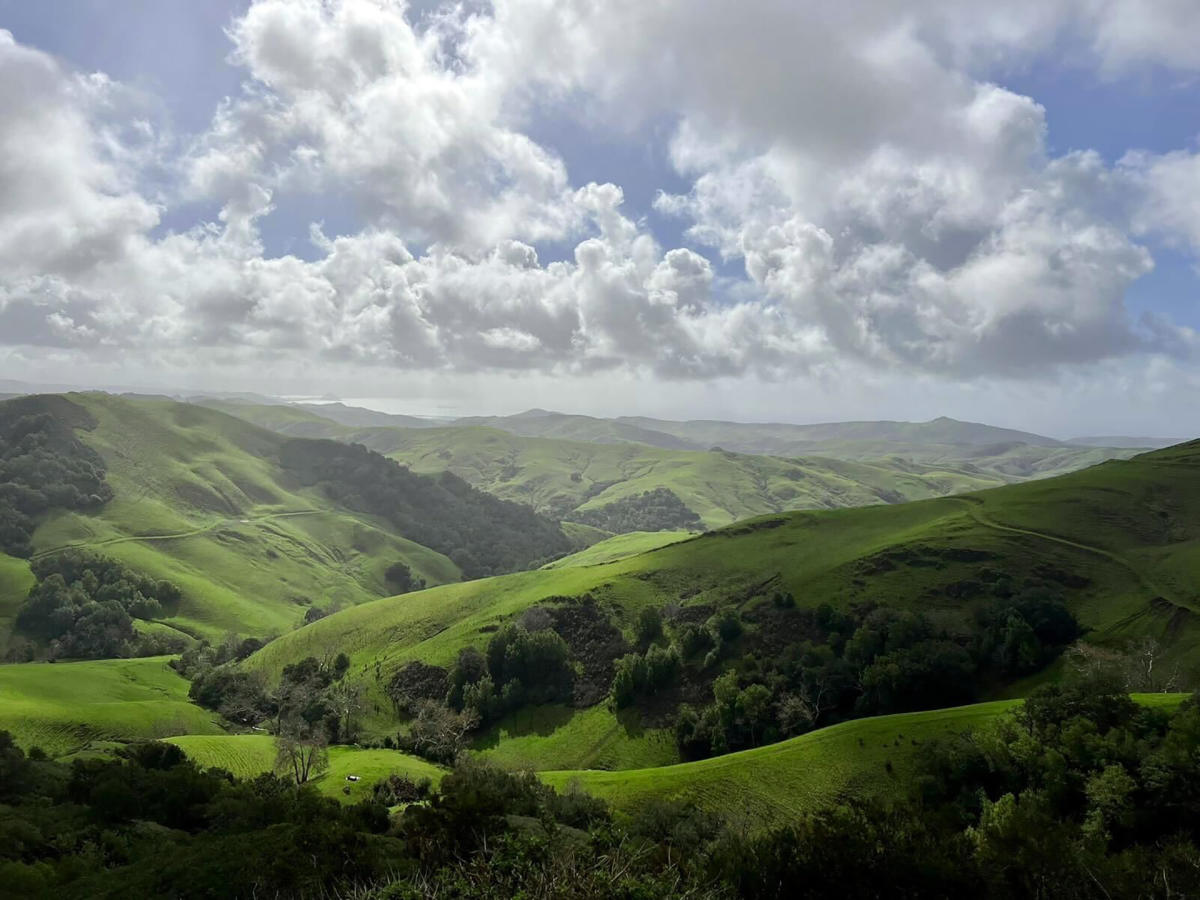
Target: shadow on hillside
[(630, 719), (531, 720)]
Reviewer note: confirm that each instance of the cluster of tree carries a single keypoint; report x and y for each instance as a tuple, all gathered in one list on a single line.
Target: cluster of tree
[(44, 466), (83, 606), (639, 674), (482, 534), (400, 578), (870, 663), (656, 510), (312, 706), (1081, 794), (520, 666)]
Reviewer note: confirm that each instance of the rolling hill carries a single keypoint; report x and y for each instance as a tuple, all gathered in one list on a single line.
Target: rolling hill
[(246, 521), (1003, 453), (564, 477), (67, 708), (1120, 542), (774, 785)]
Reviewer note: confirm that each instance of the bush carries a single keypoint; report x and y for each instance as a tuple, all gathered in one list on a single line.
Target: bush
[(401, 578)]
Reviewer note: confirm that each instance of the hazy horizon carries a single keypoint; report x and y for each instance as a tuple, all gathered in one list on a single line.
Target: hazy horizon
[(762, 212)]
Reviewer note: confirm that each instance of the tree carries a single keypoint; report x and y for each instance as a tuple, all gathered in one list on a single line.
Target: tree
[(345, 699), (438, 733), (649, 625), (301, 749)]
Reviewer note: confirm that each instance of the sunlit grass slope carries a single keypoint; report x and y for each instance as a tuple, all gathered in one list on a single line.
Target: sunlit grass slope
[(772, 785), (558, 476), (1121, 539), (15, 581), (200, 501), (619, 547), (248, 755), (67, 707), (557, 737)]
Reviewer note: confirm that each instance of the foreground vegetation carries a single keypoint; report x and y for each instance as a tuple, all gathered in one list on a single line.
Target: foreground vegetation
[(1077, 793)]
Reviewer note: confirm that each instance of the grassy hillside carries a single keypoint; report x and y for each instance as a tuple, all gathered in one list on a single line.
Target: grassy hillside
[(68, 707), (980, 449), (200, 501), (248, 755), (15, 582), (560, 476), (618, 547), (1121, 542), (773, 785), (219, 506)]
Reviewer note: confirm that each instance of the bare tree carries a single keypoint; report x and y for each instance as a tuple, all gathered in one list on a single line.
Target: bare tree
[(301, 749), (439, 732), (1144, 666), (1147, 668), (345, 700)]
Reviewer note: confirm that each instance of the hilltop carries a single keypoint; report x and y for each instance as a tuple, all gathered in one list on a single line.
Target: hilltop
[(254, 527), (1005, 453), (573, 479)]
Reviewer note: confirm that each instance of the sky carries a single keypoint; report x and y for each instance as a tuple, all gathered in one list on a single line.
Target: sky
[(781, 210)]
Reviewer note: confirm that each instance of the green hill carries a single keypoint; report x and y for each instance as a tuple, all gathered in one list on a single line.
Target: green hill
[(1004, 453), (775, 784), (1120, 543), (71, 707), (250, 525), (565, 477)]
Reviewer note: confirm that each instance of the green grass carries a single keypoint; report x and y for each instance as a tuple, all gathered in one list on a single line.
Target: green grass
[(772, 785), (1120, 538), (248, 755), (619, 547), (15, 582), (66, 708), (556, 476), (557, 737), (200, 501)]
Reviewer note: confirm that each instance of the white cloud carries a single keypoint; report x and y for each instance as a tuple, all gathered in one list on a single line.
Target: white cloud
[(66, 202), (891, 208)]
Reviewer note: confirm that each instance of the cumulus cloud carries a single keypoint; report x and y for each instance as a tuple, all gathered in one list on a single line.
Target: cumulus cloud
[(67, 203), (348, 97), (864, 194)]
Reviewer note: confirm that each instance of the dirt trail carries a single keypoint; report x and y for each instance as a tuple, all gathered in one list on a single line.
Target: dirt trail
[(220, 523), (1156, 593)]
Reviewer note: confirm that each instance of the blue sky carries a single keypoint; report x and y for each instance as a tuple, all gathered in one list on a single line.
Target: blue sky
[(833, 205)]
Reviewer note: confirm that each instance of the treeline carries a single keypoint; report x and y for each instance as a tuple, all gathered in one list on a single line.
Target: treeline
[(83, 606), (871, 663), (482, 534), (656, 510), (519, 667), (777, 671), (44, 466), (1080, 794)]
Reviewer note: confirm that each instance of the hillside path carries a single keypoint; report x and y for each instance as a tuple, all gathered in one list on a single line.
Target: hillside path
[(220, 523), (977, 513)]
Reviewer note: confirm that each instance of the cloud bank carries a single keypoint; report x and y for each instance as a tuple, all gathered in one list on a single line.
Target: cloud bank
[(863, 193)]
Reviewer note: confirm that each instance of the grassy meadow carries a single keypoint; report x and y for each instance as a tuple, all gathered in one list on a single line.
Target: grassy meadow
[(68, 707)]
